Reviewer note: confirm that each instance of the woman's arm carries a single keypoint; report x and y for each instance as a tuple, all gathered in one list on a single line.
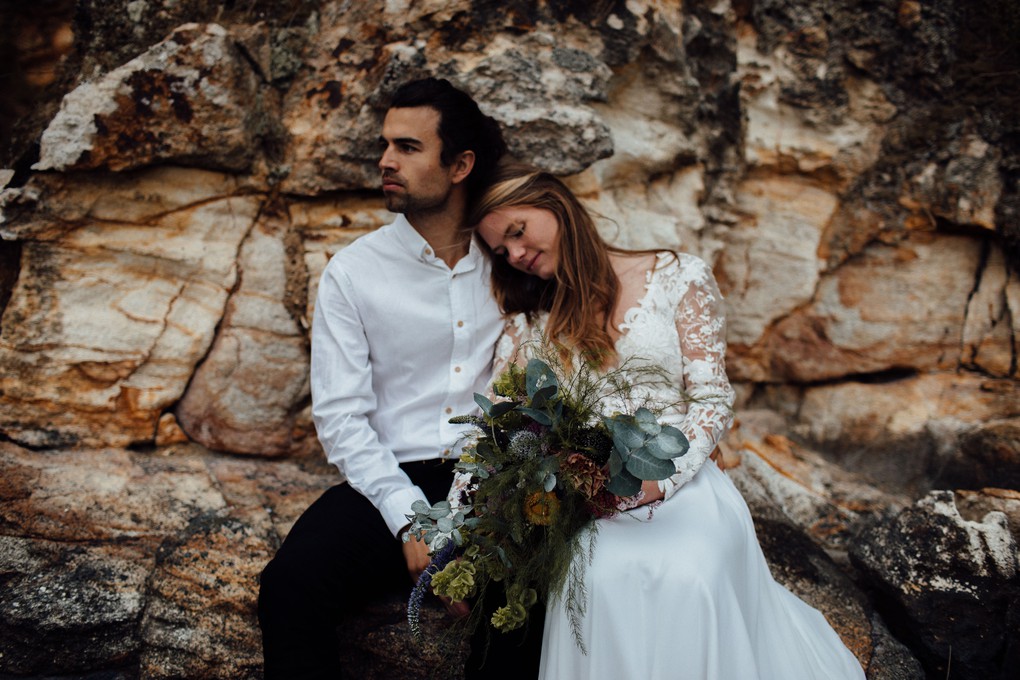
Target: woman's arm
[(701, 326)]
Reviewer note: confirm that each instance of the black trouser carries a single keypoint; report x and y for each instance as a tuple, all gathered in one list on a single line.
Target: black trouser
[(340, 555)]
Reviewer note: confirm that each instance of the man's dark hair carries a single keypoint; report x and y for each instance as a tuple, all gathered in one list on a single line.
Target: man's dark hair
[(462, 126)]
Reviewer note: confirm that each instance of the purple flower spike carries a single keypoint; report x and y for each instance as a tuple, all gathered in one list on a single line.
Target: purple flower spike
[(424, 584)]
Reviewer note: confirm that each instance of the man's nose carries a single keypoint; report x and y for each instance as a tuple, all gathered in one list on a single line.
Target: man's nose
[(386, 161)]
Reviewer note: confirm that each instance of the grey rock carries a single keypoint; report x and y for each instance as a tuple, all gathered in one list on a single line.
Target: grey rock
[(951, 586)]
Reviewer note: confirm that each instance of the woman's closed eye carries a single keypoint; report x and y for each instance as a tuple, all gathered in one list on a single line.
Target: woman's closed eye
[(517, 233)]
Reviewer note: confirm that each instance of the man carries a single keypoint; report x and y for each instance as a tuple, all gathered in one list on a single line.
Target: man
[(403, 335)]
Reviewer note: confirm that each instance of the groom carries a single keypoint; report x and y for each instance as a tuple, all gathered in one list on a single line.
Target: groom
[(403, 335)]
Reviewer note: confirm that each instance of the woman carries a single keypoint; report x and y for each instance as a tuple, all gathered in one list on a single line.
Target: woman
[(683, 591)]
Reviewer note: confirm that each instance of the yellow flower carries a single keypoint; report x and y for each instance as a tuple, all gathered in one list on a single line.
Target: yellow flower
[(456, 581), (540, 507), (509, 617), (510, 383), (515, 612)]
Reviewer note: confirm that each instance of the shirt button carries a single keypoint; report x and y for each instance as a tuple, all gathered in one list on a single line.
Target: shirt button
[(449, 409), (446, 452), (456, 369), (460, 324), (428, 251)]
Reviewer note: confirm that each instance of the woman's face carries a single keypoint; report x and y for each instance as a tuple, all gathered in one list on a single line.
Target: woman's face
[(527, 237)]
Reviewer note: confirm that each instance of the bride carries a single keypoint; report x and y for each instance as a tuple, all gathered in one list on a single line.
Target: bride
[(678, 588)]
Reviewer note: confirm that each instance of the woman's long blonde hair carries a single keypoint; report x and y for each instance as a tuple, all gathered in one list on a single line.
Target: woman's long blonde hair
[(580, 298)]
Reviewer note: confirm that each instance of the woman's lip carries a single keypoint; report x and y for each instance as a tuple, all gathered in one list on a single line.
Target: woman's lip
[(531, 264)]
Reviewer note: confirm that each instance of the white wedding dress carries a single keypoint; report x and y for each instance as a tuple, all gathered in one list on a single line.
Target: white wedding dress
[(683, 592)]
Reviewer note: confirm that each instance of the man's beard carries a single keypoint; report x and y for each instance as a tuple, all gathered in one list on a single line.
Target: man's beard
[(415, 205)]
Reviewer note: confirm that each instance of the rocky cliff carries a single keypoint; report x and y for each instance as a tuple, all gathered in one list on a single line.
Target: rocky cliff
[(179, 172)]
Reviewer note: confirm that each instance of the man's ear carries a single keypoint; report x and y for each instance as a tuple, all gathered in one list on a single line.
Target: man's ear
[(462, 166)]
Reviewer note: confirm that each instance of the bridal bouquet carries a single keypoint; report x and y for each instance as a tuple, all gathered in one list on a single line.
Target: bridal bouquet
[(544, 463)]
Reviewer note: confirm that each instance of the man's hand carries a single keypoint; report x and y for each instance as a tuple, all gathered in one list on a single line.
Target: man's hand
[(416, 552)]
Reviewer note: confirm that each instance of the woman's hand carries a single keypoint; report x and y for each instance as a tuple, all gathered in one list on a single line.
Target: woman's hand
[(651, 491)]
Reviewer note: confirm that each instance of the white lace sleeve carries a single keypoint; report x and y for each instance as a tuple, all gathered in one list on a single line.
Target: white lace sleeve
[(506, 351), (701, 326)]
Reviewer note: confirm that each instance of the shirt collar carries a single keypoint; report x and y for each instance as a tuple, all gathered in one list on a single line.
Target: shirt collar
[(416, 246), (411, 240)]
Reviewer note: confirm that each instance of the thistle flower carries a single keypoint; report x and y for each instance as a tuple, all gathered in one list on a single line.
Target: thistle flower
[(524, 444)]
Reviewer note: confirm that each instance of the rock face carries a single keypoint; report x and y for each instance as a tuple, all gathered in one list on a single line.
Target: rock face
[(142, 562), (188, 100), (850, 170), (953, 585)]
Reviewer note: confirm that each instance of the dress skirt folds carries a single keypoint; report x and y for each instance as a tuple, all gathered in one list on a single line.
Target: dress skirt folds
[(687, 595)]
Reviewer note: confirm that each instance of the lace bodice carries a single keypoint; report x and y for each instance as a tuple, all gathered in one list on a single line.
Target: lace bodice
[(679, 326)]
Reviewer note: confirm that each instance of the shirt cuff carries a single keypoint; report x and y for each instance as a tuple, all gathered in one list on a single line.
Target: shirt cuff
[(397, 506)]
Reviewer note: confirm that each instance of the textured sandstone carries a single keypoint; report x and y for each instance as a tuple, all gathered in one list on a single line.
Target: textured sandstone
[(105, 326), (246, 395), (848, 168)]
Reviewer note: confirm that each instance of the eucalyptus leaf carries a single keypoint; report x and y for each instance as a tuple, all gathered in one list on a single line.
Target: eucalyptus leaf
[(550, 483), (643, 465), (544, 395), (644, 416), (670, 443), (458, 538), (501, 407), (624, 484), (484, 449), (616, 464), (444, 524), (440, 509), (626, 438), (503, 558), (654, 447), (420, 507), (483, 403), (540, 417), (537, 376)]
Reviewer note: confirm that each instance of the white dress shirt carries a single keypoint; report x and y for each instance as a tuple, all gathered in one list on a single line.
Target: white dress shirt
[(400, 343)]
